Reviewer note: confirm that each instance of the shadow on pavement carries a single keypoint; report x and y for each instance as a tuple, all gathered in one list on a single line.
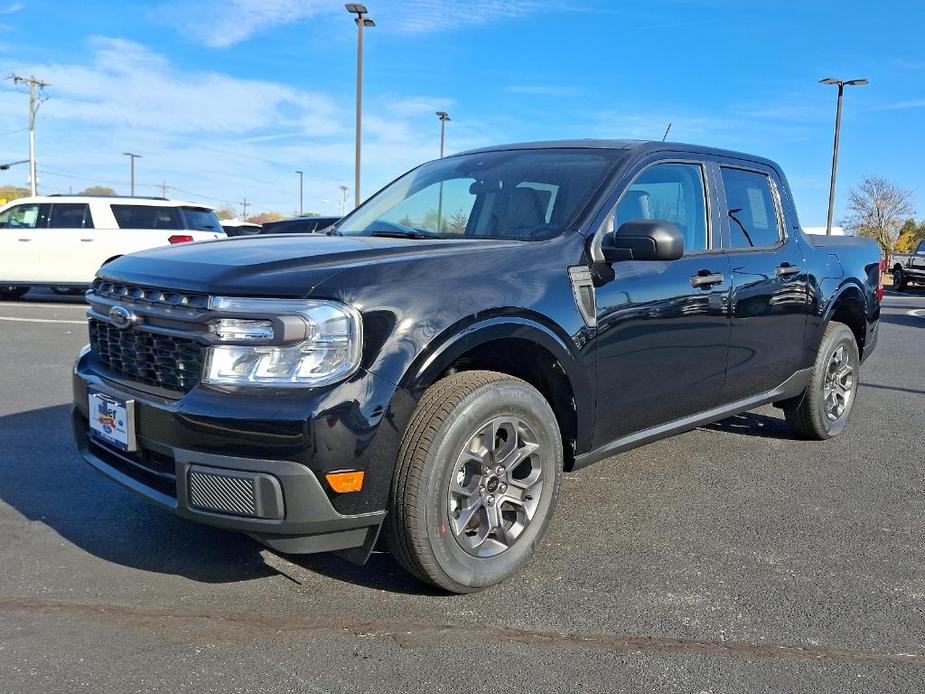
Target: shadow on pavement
[(753, 424), (45, 295), (903, 319), (43, 478)]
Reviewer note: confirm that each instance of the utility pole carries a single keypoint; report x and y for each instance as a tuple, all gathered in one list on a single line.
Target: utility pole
[(34, 101), (300, 192), (244, 205), (164, 189), (132, 157), (343, 200), (362, 21)]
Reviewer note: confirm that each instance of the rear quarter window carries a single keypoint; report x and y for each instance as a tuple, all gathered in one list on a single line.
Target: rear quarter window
[(147, 217)]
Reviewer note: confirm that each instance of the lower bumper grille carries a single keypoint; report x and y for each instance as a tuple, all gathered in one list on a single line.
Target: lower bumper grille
[(168, 362)]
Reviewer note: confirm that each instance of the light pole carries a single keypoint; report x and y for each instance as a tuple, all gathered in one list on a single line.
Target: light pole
[(132, 157), (343, 200), (300, 192), (444, 117), (841, 90), (362, 21)]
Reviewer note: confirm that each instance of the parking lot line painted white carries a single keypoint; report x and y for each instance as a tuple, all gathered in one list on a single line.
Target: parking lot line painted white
[(917, 312), (13, 319)]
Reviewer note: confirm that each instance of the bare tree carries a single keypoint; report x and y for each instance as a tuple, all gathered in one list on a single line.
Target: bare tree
[(878, 208)]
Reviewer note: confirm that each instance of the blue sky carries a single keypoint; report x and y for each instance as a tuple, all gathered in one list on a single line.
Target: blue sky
[(226, 99)]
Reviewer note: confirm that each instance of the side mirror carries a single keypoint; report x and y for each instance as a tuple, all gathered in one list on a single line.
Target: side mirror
[(644, 239)]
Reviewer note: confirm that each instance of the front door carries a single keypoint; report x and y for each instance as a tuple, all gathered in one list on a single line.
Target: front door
[(663, 327), (20, 238), (770, 296)]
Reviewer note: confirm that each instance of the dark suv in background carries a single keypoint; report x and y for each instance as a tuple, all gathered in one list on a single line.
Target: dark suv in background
[(299, 225)]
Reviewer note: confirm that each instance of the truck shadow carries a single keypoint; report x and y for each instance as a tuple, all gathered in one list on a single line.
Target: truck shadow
[(44, 479), (753, 424)]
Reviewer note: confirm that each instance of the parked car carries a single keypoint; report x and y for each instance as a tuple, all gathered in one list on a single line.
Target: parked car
[(907, 268), (299, 225), (431, 366), (59, 241), (240, 227)]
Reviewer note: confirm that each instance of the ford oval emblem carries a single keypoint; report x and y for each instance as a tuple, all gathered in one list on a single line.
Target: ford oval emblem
[(121, 317)]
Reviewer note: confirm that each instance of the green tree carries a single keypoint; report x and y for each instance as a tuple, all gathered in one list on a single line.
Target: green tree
[(97, 190), (909, 236)]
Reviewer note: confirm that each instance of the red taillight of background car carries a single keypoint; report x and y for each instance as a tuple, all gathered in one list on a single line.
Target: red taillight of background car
[(180, 238)]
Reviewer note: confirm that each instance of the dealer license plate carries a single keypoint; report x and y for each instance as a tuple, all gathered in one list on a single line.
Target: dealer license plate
[(112, 420)]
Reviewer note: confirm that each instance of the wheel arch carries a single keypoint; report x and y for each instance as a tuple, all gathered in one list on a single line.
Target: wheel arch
[(521, 346), (848, 306)]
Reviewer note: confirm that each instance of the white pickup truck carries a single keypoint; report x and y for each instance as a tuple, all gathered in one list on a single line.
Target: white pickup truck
[(61, 241)]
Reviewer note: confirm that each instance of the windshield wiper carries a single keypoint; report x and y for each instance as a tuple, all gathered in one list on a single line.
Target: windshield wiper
[(404, 234)]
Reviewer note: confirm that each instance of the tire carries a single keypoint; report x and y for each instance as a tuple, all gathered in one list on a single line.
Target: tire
[(12, 292), (899, 280), (822, 411), (437, 481)]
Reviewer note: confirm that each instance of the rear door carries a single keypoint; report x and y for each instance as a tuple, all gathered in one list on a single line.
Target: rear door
[(770, 295), (663, 327), (917, 262), (68, 248), (21, 230)]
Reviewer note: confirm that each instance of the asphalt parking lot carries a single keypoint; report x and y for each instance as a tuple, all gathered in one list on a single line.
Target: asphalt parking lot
[(728, 559)]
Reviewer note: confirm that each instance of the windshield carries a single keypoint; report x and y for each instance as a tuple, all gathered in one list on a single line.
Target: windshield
[(515, 194)]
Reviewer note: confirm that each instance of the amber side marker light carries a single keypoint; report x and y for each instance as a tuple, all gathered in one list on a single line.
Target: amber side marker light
[(343, 482)]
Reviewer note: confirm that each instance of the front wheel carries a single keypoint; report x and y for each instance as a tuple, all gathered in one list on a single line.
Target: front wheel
[(899, 280), (12, 292), (476, 481), (822, 411)]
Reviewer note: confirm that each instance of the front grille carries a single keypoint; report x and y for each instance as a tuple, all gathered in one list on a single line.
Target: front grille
[(149, 296), (173, 363)]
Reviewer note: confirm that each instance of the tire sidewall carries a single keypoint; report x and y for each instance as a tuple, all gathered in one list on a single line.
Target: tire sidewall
[(840, 335), (497, 399)]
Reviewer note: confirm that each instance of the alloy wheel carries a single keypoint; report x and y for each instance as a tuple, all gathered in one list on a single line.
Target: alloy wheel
[(838, 387)]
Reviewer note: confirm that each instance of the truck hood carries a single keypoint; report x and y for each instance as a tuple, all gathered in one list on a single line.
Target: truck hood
[(280, 266)]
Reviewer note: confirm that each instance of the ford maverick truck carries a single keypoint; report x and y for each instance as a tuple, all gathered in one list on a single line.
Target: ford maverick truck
[(429, 367)]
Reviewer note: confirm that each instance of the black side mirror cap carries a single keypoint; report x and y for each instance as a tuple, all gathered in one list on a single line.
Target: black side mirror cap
[(644, 239)]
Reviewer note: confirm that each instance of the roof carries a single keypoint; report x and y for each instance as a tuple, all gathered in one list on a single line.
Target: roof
[(638, 147), (113, 199)]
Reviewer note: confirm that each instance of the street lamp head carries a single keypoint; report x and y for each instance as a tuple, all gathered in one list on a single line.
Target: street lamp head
[(355, 8), (858, 83), (829, 80), (367, 22), (443, 115), (299, 172)]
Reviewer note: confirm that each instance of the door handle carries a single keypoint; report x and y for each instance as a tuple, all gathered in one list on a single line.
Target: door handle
[(24, 240), (86, 240), (705, 279), (787, 270)]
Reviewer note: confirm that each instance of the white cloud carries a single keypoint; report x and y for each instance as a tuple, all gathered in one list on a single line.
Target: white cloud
[(11, 8), (223, 23), (211, 136)]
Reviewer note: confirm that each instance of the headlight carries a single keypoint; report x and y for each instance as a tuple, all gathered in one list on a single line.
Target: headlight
[(327, 351)]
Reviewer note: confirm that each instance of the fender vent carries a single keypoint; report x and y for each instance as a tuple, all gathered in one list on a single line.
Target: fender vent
[(583, 290)]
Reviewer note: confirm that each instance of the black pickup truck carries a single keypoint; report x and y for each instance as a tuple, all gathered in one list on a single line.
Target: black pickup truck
[(431, 366)]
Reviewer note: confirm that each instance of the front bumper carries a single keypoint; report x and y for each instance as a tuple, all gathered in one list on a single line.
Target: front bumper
[(263, 473)]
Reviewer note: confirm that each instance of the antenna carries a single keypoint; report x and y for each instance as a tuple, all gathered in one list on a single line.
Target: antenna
[(667, 130)]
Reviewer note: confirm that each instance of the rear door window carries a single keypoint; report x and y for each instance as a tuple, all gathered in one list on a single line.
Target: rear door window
[(147, 217), (70, 216), (752, 211), (201, 219)]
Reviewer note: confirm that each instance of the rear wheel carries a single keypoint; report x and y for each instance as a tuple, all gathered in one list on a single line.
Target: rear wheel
[(899, 280), (476, 481), (12, 292), (822, 411)]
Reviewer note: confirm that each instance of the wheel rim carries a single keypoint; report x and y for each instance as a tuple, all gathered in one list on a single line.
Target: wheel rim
[(496, 486), (838, 388)]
